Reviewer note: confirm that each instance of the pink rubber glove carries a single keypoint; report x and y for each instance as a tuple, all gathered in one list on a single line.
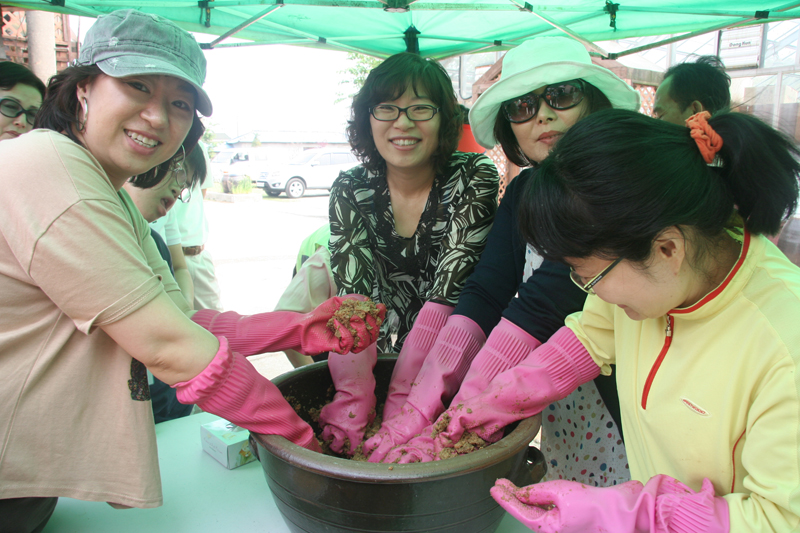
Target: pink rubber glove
[(663, 505), (429, 322), (281, 330), (549, 373), (232, 388), (437, 381), (507, 345), (353, 407)]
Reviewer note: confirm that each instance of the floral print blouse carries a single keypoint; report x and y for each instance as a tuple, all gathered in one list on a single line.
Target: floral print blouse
[(369, 257)]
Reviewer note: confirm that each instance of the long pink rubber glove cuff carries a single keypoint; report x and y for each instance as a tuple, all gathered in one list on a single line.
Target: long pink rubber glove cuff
[(429, 322), (345, 419), (232, 388), (437, 381), (507, 345), (307, 333), (663, 505), (549, 373)]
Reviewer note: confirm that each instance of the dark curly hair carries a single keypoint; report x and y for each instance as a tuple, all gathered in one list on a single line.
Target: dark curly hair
[(595, 101), (59, 112), (388, 81)]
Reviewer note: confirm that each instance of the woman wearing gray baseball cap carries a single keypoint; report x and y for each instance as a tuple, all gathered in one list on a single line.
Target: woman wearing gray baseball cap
[(87, 303), (513, 297)]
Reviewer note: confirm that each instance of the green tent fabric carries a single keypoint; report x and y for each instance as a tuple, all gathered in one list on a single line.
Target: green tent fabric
[(436, 28)]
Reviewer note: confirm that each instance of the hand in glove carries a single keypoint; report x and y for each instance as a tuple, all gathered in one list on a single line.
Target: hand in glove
[(307, 333), (549, 373), (345, 419), (437, 381), (663, 505), (232, 388), (415, 349)]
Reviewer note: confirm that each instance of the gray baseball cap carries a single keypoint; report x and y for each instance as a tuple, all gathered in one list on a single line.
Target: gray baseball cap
[(131, 43)]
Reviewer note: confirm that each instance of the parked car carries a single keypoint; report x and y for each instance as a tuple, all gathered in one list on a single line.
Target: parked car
[(234, 164), (311, 169)]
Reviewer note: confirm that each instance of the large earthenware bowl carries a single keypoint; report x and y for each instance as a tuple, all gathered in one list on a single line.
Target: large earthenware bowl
[(318, 493)]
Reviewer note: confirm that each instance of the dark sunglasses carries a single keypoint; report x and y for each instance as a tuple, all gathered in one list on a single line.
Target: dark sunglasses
[(12, 109), (564, 95)]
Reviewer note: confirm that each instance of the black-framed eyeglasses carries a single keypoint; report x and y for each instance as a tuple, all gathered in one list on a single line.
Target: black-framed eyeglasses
[(576, 279), (564, 95), (415, 113), (12, 109)]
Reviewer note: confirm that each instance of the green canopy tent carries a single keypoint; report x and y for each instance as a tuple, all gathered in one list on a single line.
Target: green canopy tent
[(437, 28)]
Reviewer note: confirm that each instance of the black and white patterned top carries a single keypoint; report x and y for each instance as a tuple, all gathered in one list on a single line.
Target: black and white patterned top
[(369, 257)]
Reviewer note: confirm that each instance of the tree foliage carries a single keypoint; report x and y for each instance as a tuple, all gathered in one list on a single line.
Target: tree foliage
[(356, 74)]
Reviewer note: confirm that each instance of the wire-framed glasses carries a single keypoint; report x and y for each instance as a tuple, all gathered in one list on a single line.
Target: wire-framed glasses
[(588, 287), (415, 113), (12, 109), (179, 174)]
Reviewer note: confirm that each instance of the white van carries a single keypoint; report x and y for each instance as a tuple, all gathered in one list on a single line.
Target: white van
[(311, 169)]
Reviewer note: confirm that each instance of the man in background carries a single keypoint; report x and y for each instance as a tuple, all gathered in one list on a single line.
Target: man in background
[(690, 88)]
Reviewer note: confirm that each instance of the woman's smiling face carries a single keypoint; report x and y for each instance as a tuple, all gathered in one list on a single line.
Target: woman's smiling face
[(135, 123), (406, 145)]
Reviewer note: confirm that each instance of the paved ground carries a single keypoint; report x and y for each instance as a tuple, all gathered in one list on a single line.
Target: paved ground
[(254, 246)]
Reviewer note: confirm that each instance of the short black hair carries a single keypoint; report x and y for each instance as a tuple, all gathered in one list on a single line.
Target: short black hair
[(59, 112), (618, 178), (704, 80), (13, 73), (594, 97), (388, 81)]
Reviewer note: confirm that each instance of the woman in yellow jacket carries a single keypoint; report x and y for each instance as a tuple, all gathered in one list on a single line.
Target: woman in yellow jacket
[(663, 225)]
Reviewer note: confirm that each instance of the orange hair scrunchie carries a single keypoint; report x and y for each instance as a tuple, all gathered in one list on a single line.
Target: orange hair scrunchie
[(708, 141)]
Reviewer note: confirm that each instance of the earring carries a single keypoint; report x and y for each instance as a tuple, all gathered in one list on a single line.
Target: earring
[(82, 125)]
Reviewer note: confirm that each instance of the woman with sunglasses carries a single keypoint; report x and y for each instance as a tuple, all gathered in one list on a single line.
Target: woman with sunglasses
[(87, 305), (21, 94), (515, 298), (697, 308), (407, 225)]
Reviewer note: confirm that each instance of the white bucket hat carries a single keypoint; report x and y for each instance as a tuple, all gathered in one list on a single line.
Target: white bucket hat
[(539, 62)]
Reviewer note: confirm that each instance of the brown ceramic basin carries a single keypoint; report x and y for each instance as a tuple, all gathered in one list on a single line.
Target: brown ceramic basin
[(318, 493)]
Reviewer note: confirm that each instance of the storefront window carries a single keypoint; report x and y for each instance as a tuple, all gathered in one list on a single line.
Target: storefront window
[(754, 95), (789, 109), (781, 43)]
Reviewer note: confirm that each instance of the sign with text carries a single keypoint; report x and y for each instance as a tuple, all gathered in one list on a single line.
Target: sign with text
[(741, 47)]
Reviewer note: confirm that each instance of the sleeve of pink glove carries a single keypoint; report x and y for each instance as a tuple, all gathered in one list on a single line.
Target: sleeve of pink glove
[(663, 505), (434, 385), (345, 419), (429, 322), (548, 373), (307, 333), (232, 388), (507, 345)]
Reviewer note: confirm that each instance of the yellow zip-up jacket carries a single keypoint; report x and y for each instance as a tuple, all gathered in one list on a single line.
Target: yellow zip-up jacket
[(712, 391)]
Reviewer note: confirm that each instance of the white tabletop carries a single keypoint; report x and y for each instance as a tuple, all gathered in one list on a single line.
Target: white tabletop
[(200, 495)]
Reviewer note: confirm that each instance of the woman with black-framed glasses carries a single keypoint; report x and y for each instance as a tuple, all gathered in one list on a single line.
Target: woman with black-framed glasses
[(407, 225), (515, 298), (21, 95)]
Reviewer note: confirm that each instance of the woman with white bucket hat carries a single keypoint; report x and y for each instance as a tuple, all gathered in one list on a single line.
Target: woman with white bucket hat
[(514, 297)]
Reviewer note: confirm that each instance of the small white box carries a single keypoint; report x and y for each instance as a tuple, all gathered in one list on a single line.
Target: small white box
[(227, 443)]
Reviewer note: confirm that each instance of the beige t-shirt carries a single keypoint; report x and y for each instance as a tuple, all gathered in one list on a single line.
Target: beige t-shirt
[(75, 254)]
